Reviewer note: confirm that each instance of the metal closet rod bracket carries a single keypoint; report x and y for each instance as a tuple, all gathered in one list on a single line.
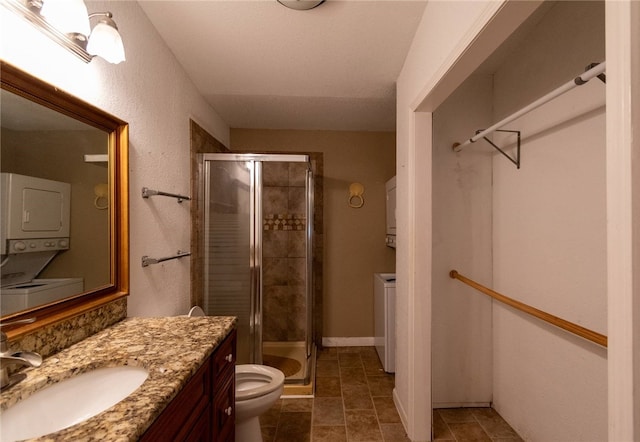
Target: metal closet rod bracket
[(515, 160), (147, 261), (146, 193), (602, 77)]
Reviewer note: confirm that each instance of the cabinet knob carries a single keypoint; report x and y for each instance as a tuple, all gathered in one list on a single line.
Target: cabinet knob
[(229, 357), (228, 411)]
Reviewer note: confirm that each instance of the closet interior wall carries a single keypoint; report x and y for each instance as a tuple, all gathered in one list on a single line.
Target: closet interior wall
[(547, 233), (461, 323)]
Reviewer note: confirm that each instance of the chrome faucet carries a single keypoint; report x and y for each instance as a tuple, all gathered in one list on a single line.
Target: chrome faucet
[(24, 358)]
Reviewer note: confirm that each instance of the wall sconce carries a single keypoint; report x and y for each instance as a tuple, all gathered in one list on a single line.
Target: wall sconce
[(101, 192), (356, 200), (68, 23)]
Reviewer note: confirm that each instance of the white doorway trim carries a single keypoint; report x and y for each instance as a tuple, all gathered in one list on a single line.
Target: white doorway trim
[(623, 215)]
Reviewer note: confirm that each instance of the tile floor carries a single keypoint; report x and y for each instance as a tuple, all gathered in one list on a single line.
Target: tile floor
[(471, 424), (353, 402)]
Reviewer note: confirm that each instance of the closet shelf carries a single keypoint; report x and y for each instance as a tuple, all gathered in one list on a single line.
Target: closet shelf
[(96, 158)]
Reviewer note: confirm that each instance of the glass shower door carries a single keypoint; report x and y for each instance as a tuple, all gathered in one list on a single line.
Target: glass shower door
[(230, 251), (286, 267)]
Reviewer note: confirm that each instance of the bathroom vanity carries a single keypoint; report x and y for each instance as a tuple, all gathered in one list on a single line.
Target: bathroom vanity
[(204, 409), (189, 392)]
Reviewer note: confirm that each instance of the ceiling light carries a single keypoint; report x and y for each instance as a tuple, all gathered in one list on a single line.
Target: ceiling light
[(301, 5)]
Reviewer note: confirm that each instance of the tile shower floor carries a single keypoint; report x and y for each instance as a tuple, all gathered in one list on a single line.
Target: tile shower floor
[(353, 402)]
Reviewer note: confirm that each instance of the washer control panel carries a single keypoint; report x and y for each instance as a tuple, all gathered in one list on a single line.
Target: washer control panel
[(37, 245)]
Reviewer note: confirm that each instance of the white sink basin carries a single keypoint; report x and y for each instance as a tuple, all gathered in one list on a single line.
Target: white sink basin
[(69, 402)]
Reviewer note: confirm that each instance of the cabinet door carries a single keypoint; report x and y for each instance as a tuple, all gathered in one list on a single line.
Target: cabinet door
[(224, 412), (224, 390), (224, 360), (182, 414), (201, 431), (205, 408)]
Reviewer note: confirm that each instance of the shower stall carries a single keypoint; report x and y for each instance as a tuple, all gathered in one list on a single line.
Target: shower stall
[(258, 255)]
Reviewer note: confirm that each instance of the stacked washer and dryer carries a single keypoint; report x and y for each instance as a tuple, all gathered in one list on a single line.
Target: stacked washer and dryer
[(35, 225), (384, 294), (384, 288)]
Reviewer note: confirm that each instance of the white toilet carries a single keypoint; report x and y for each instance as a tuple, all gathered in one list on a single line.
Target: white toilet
[(258, 387)]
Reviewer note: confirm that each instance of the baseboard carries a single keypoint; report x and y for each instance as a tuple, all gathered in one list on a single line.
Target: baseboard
[(461, 404), (401, 411), (348, 342)]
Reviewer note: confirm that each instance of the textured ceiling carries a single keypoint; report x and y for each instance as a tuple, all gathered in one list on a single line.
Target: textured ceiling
[(261, 65)]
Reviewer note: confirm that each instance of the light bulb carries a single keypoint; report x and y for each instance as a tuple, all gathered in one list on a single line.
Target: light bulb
[(67, 16), (105, 41)]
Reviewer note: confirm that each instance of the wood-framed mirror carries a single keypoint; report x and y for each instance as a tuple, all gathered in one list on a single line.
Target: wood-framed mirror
[(62, 156)]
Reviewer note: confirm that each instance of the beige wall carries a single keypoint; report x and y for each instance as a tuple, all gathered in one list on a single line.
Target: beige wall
[(353, 238)]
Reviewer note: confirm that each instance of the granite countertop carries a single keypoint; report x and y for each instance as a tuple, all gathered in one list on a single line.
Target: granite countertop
[(170, 348)]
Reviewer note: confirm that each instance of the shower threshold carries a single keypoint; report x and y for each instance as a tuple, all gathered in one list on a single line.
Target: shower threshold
[(290, 358)]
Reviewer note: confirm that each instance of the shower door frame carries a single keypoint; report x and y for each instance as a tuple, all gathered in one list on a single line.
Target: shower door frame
[(255, 259)]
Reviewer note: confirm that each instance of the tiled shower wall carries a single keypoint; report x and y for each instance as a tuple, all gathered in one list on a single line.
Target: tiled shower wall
[(284, 251)]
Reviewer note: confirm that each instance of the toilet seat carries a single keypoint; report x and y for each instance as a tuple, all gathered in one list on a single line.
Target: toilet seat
[(253, 381), (196, 311)]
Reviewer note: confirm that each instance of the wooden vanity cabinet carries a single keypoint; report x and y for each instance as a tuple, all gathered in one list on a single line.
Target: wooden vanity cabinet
[(204, 410), (224, 394)]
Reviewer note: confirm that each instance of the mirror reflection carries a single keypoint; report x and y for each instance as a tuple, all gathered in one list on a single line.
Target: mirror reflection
[(55, 205)]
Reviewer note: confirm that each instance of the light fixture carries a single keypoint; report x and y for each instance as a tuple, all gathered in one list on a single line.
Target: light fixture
[(67, 16), (301, 5), (105, 40), (67, 23)]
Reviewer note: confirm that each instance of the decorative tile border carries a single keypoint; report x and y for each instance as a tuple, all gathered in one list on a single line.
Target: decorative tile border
[(287, 221)]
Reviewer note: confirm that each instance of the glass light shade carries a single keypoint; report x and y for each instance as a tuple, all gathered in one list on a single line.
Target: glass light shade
[(105, 42), (67, 16), (301, 5)]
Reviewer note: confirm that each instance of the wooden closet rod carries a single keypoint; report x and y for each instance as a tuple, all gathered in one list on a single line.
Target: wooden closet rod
[(547, 317)]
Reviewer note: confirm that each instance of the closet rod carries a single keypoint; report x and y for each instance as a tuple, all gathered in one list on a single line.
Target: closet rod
[(578, 81), (576, 329)]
